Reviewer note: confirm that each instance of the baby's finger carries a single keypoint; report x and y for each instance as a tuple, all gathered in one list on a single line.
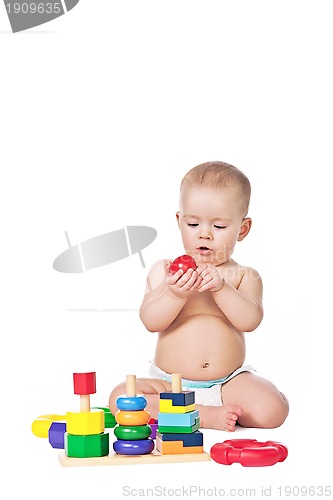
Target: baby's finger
[(201, 268), (207, 284), (173, 278), (167, 267), (197, 282), (187, 279), (192, 280), (206, 273)]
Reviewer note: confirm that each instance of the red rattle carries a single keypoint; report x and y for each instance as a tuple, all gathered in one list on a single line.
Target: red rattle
[(183, 262), (249, 452)]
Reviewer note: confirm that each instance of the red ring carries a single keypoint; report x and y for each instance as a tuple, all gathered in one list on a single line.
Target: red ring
[(249, 452)]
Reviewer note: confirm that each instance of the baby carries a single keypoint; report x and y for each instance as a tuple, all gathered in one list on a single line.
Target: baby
[(201, 315)]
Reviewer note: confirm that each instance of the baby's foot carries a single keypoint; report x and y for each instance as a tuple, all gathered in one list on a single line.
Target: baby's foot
[(223, 418)]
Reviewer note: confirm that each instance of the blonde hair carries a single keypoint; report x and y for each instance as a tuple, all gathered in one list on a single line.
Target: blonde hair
[(218, 174)]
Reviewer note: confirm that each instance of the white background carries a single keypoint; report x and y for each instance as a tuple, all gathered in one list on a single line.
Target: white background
[(102, 112)]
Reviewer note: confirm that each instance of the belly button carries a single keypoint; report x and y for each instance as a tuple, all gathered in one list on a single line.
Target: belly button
[(205, 365)]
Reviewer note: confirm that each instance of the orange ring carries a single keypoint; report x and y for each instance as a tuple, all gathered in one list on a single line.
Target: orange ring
[(140, 417)]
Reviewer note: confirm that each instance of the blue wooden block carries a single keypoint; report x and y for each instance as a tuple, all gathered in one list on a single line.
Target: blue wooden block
[(178, 419), (195, 439), (184, 398), (56, 435), (172, 429)]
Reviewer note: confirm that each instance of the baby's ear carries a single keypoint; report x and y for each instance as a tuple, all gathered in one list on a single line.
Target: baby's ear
[(245, 228), (177, 217)]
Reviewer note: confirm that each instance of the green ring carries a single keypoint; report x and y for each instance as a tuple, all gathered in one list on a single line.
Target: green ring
[(132, 432)]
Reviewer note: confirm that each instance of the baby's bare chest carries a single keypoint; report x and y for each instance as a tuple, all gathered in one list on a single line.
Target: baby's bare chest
[(201, 303)]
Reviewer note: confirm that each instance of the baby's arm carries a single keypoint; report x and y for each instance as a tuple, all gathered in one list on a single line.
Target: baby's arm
[(242, 306), (166, 295)]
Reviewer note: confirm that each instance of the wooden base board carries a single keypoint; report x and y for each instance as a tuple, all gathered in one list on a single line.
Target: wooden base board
[(151, 458)]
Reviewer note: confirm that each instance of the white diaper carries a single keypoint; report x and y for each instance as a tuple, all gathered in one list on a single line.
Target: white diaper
[(210, 395)]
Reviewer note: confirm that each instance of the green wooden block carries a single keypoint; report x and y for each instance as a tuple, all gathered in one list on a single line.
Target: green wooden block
[(171, 429), (92, 445)]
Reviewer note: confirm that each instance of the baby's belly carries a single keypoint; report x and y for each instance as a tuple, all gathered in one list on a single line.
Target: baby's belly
[(200, 347)]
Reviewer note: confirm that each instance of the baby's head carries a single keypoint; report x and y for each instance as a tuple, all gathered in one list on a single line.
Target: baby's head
[(212, 217), (220, 175)]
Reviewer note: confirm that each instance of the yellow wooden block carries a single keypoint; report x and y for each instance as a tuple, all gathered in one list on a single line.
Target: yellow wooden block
[(85, 422), (166, 406), (176, 447)]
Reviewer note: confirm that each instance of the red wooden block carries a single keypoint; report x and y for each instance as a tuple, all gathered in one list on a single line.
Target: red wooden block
[(84, 383)]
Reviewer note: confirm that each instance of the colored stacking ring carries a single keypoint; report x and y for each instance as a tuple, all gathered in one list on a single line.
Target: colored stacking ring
[(131, 403), (132, 417), (142, 447), (249, 452), (40, 427), (132, 433)]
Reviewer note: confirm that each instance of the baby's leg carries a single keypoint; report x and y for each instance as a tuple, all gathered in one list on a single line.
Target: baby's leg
[(149, 387), (263, 405), (211, 417)]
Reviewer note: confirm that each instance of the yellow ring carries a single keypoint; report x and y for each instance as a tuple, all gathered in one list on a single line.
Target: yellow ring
[(40, 426), (140, 417)]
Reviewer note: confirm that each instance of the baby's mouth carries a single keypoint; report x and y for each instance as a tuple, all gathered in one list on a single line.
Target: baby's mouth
[(203, 249)]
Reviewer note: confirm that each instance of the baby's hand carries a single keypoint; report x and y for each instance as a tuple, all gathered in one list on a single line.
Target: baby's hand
[(182, 284), (210, 278)]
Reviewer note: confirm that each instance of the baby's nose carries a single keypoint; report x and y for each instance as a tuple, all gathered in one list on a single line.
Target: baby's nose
[(206, 234)]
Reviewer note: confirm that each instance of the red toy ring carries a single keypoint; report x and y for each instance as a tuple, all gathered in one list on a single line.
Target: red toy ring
[(249, 452)]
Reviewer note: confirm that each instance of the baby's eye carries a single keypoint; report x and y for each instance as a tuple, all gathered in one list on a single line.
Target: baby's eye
[(219, 227), (193, 225)]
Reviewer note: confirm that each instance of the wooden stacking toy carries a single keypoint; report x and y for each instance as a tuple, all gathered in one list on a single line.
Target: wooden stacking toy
[(134, 443), (85, 435), (132, 431), (178, 421)]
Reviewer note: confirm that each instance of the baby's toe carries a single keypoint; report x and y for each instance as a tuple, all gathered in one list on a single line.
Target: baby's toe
[(232, 416), (230, 427), (230, 424), (235, 410)]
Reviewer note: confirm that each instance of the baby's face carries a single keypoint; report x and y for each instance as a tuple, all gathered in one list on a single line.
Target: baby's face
[(210, 221)]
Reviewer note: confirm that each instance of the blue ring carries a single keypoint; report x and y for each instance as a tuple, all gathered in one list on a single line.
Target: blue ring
[(142, 447), (131, 404)]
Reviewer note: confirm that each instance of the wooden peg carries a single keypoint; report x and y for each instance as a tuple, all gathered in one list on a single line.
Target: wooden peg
[(176, 382), (84, 402), (84, 385), (131, 386)]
